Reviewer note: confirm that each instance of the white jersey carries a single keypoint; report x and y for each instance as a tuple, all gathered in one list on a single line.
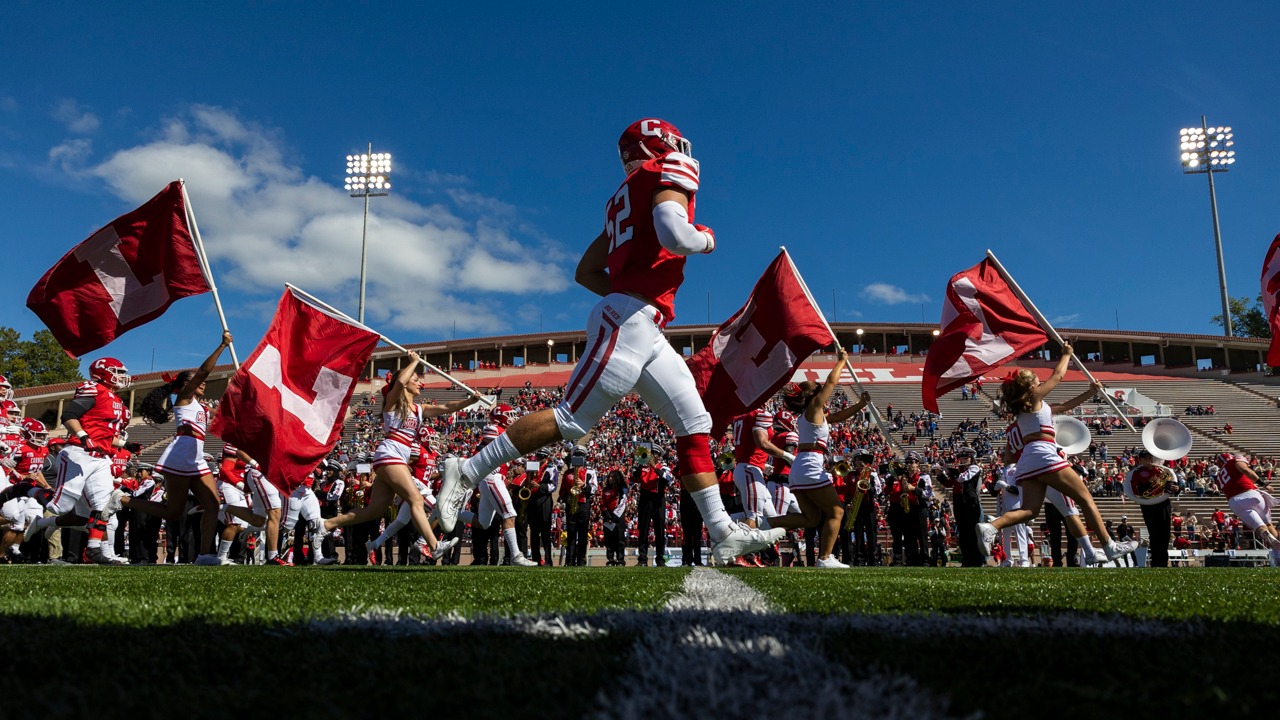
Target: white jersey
[(811, 434), (192, 419)]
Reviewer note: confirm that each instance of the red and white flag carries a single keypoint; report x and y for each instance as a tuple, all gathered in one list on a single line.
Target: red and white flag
[(755, 352), (285, 405), (984, 325), (125, 275), (1271, 299)]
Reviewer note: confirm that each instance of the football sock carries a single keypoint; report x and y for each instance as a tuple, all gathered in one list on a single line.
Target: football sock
[(513, 547), (271, 555), (483, 463), (224, 548), (713, 514)]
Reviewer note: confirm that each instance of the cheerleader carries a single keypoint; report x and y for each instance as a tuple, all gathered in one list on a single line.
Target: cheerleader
[(401, 418), (423, 463), (1041, 465), (819, 503), (182, 463)]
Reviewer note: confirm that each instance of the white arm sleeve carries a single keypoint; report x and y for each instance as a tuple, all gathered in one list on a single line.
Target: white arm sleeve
[(676, 233)]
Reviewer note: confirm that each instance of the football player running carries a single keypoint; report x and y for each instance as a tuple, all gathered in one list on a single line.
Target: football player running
[(86, 488), (636, 264)]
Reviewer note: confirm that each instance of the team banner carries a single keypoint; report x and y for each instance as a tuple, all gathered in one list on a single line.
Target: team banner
[(125, 275), (984, 325), (286, 403), (755, 352), (1271, 299)]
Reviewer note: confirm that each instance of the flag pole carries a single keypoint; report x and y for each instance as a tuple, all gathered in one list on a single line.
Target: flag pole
[(1044, 323), (331, 310), (875, 412), (205, 267)]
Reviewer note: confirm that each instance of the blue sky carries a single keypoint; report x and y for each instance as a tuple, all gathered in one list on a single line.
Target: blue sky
[(886, 146)]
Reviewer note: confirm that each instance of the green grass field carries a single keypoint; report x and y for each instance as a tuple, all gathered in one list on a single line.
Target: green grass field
[(499, 642)]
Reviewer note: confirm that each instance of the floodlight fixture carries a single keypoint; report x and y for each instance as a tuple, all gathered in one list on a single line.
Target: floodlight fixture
[(368, 175)]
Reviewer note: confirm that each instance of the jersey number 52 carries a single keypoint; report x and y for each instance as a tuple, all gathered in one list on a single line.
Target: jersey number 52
[(618, 220)]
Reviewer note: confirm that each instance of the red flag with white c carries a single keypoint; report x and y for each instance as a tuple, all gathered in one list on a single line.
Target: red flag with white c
[(984, 325), (125, 275), (1271, 299), (286, 403), (755, 352)]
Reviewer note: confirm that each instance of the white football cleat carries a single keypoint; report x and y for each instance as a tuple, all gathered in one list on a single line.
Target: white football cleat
[(36, 526), (1117, 550), (445, 546), (326, 560), (829, 562), (98, 557), (986, 537), (744, 539), (522, 561), (455, 487)]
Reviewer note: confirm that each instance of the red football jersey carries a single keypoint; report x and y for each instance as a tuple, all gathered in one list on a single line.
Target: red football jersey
[(779, 438), (105, 418), (425, 466), (1232, 480), (745, 449), (30, 458), (232, 470), (637, 261), (12, 437), (119, 459)]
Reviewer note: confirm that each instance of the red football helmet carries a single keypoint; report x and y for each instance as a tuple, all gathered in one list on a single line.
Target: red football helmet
[(784, 420), (6, 388), (647, 139), (34, 432), (1225, 459), (490, 433), (428, 438), (110, 372), (502, 415), (10, 410)]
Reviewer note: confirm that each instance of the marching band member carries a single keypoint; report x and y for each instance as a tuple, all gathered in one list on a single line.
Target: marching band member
[(1145, 486), (613, 503), (865, 485), (637, 265), (93, 418), (966, 482), (1041, 464), (650, 481), (577, 492), (540, 507), (183, 463), (1238, 483), (401, 418), (819, 504)]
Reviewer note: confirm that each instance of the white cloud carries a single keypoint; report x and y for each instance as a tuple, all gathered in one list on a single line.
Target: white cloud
[(76, 119), (891, 294), (1065, 319), (265, 222), (71, 154)]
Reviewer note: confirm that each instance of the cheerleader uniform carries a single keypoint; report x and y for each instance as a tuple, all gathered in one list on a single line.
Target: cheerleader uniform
[(185, 455), (1038, 457), (807, 471), (399, 438)]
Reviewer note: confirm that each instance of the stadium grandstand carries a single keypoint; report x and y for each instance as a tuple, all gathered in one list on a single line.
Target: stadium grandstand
[(1214, 385)]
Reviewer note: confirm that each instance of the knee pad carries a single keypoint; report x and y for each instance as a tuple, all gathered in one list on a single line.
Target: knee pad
[(97, 525), (693, 453)]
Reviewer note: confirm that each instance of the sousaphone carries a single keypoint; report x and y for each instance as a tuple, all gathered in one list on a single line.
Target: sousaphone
[(1071, 434), (1167, 439)]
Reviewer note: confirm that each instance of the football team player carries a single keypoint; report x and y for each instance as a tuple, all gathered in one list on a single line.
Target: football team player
[(636, 264)]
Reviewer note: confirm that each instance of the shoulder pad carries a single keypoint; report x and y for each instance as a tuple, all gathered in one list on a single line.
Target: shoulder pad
[(675, 170), (87, 389)]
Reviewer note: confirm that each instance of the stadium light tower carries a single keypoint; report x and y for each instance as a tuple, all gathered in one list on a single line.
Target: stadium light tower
[(1207, 150), (368, 175)]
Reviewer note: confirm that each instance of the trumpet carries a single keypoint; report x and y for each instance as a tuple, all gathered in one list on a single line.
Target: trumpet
[(724, 461), (643, 454), (841, 468)]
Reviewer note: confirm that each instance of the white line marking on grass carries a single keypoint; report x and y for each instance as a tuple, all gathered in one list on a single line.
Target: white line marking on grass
[(719, 650)]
